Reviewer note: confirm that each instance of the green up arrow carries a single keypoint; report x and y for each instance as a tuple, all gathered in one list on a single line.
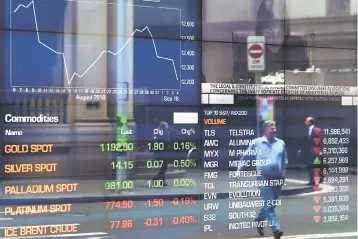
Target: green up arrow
[(316, 161)]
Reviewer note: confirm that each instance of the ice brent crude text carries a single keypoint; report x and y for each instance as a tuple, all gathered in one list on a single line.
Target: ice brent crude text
[(32, 148), (40, 230)]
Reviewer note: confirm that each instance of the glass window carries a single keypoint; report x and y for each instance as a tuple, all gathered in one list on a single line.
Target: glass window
[(338, 7)]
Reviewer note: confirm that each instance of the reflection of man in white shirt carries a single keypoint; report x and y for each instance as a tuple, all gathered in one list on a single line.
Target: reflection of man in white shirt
[(310, 128)]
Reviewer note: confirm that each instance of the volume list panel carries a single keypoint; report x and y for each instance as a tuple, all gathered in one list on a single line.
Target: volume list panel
[(227, 133)]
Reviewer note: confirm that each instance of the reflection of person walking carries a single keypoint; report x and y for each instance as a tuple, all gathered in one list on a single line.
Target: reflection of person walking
[(271, 154), (163, 137), (307, 152)]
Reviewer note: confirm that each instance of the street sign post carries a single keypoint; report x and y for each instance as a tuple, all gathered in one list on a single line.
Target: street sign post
[(256, 53), (256, 63)]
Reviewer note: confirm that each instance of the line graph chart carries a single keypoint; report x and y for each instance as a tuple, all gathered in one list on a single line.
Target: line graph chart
[(162, 43), (80, 75)]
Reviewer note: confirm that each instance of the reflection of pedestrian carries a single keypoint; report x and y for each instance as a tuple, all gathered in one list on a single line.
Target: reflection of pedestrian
[(307, 153), (203, 78), (272, 154), (282, 51), (160, 155)]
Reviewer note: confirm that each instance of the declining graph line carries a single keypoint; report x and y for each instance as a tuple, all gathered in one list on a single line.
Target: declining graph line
[(69, 79)]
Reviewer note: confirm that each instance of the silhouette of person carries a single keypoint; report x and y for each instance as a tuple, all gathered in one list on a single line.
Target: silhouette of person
[(282, 51)]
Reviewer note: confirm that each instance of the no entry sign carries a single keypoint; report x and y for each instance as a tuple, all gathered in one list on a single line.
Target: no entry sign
[(256, 53)]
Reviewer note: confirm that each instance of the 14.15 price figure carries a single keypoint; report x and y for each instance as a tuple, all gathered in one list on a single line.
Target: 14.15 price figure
[(123, 165)]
